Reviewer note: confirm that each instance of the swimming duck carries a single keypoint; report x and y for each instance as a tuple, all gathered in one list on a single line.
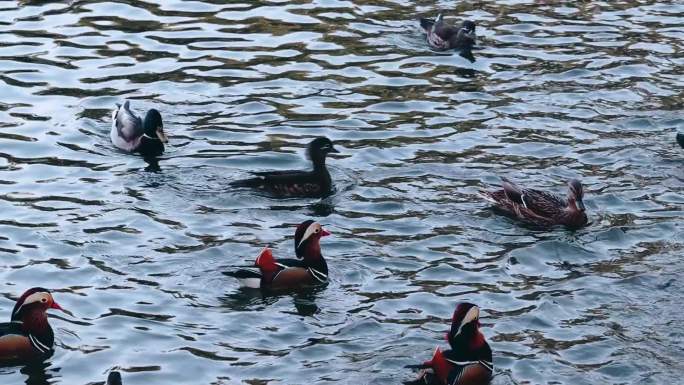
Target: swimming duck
[(680, 139), (114, 378), (130, 133), (468, 362), (315, 183), (28, 336), (540, 208), (309, 269), (442, 36)]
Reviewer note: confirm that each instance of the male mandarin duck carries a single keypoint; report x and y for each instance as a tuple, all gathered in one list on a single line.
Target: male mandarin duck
[(315, 183), (541, 208), (114, 378), (442, 36), (28, 336), (468, 362), (131, 134), (309, 269)]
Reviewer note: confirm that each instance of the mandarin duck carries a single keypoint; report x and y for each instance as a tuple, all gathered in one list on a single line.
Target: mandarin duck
[(308, 269), (28, 336), (468, 362)]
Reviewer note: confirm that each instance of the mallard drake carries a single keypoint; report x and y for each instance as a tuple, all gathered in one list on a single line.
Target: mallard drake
[(309, 269), (28, 336), (468, 362), (540, 208), (315, 183), (680, 139), (442, 36), (131, 134)]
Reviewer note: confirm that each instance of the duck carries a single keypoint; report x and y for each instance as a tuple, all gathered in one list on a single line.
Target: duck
[(308, 269), (131, 134), (28, 336), (114, 378), (468, 362), (287, 184), (680, 139), (540, 208), (442, 36)]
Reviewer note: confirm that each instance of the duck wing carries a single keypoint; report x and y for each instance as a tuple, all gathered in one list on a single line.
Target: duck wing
[(260, 180), (128, 126), (543, 203), (288, 183), (14, 343), (439, 33), (11, 328)]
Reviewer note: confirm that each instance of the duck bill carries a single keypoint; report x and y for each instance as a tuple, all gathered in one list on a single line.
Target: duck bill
[(324, 232), (161, 135), (334, 150), (56, 306), (580, 205)]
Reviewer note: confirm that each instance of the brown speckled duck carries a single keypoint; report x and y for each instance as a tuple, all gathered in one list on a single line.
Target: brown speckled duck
[(540, 208)]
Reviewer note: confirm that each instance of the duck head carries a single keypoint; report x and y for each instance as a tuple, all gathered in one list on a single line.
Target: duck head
[(153, 126), (319, 148), (465, 327), (466, 34), (575, 195), (32, 306), (307, 239)]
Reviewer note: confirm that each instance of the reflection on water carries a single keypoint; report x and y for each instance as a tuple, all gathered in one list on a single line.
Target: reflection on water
[(555, 91)]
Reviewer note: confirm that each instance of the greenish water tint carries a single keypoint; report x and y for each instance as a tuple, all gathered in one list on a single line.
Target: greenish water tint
[(590, 90)]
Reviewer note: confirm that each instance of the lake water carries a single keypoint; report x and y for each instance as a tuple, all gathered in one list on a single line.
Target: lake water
[(586, 89)]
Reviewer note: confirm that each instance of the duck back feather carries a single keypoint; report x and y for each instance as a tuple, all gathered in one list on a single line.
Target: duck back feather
[(127, 129)]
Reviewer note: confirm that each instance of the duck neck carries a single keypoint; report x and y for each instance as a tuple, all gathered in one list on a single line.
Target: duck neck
[(312, 256), (36, 322), (574, 217), (319, 163), (468, 342)]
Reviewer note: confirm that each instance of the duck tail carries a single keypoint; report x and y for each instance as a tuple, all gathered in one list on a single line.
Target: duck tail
[(487, 196), (246, 278), (250, 182)]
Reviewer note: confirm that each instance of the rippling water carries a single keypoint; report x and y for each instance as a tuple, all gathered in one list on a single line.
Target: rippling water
[(556, 91)]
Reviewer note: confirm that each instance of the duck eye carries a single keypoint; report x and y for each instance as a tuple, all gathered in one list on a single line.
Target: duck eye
[(317, 230), (43, 300)]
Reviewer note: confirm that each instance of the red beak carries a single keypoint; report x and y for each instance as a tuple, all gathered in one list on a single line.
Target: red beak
[(324, 232), (55, 305)]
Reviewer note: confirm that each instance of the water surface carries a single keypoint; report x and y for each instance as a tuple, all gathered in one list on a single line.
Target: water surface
[(591, 90)]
